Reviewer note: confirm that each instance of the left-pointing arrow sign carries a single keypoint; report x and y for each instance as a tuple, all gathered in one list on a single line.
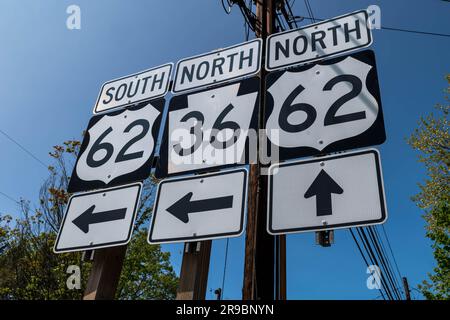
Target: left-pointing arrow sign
[(184, 206), (99, 219), (88, 217)]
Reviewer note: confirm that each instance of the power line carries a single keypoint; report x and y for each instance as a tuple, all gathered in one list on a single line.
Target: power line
[(397, 281), (390, 249), (364, 258), (224, 269), (383, 262), (309, 9), (372, 257), (23, 148), (9, 197), (396, 29)]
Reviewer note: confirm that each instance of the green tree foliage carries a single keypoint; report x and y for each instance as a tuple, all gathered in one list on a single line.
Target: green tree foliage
[(30, 270), (432, 140)]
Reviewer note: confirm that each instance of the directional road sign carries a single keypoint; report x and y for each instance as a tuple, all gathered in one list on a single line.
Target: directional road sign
[(324, 193), (219, 66), (135, 88), (118, 147), (200, 207), (319, 40), (330, 106), (99, 219), (211, 128)]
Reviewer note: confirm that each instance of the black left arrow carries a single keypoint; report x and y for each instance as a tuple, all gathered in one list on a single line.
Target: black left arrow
[(88, 217), (185, 205), (322, 188)]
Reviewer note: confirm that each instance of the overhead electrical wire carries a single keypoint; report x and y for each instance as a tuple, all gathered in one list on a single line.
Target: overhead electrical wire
[(9, 198), (23, 148), (398, 281), (398, 29), (364, 257), (391, 251), (384, 264), (225, 268), (369, 250)]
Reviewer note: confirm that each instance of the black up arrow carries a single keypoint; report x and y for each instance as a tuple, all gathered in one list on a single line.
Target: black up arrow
[(322, 188), (184, 206), (89, 217)]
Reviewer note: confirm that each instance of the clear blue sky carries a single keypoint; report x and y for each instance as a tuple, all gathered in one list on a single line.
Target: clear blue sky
[(50, 77)]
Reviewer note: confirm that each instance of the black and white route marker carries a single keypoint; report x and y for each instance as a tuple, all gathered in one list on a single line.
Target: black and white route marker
[(330, 106), (99, 219), (200, 207), (211, 128), (325, 193), (118, 147)]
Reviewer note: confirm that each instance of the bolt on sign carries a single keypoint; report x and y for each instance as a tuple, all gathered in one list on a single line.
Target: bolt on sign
[(118, 147), (193, 208), (330, 106), (319, 40), (212, 128), (333, 192), (218, 66), (135, 88), (99, 219)]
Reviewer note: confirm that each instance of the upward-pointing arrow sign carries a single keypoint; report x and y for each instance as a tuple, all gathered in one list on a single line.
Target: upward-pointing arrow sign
[(322, 188)]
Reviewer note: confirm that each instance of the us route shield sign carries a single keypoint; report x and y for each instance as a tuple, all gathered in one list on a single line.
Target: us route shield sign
[(211, 128), (99, 219), (330, 106), (118, 147), (324, 193), (200, 207)]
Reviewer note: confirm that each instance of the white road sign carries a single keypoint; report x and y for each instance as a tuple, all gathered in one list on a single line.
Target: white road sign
[(331, 192), (99, 219), (201, 207), (218, 66), (329, 106), (317, 41), (210, 128), (135, 88), (118, 147)]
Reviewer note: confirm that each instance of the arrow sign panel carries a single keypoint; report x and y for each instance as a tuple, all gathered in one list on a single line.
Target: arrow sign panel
[(201, 207), (326, 193), (99, 219)]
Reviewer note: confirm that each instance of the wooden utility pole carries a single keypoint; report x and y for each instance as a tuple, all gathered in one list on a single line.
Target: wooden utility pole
[(259, 266), (406, 287), (105, 274), (194, 271)]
